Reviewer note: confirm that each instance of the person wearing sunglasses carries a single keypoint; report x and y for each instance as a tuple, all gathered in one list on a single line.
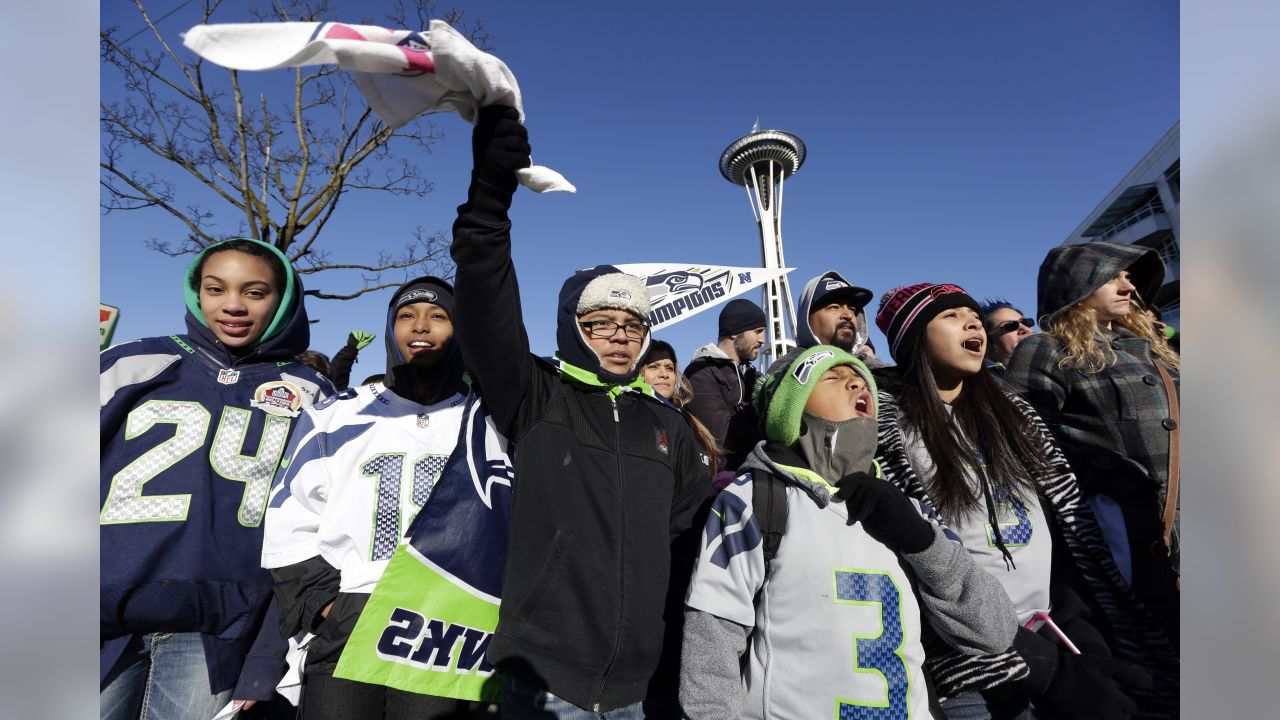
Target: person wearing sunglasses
[(1006, 326)]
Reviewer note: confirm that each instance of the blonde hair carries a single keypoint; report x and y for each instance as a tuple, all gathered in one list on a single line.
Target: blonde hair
[(1087, 348)]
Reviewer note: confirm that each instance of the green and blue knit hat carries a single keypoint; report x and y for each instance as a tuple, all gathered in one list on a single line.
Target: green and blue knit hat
[(784, 391)]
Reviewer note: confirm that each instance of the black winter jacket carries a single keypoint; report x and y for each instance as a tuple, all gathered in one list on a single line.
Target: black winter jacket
[(722, 401), (607, 477)]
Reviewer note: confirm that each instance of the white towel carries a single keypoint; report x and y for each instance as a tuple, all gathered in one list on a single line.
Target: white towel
[(290, 686), (401, 73)]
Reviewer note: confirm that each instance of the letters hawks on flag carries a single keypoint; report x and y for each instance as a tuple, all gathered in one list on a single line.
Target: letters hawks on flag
[(428, 622), (678, 291)]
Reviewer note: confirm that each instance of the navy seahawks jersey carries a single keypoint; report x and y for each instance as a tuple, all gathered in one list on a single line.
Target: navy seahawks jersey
[(189, 450)]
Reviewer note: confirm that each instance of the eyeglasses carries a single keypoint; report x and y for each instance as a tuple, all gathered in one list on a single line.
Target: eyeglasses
[(603, 329), (1009, 326)]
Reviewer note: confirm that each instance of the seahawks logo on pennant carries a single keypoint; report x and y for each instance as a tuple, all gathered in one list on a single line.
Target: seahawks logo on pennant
[(279, 398)]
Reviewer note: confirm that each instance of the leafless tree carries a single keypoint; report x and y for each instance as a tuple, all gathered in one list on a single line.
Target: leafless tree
[(271, 168)]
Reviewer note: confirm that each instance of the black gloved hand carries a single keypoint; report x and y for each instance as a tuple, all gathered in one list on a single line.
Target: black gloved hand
[(499, 147), (885, 513), (1091, 686)]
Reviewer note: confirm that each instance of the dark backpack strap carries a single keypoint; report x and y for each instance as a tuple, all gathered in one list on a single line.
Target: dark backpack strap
[(769, 499)]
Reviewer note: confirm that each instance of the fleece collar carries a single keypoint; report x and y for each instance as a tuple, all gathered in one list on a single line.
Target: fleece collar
[(586, 377)]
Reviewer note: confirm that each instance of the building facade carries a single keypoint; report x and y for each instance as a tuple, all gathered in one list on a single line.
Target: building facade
[(1143, 210)]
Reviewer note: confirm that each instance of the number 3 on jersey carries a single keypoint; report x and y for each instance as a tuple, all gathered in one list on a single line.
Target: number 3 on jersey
[(879, 654), (125, 501)]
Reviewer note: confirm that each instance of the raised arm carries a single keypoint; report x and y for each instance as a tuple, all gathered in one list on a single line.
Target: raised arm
[(488, 322)]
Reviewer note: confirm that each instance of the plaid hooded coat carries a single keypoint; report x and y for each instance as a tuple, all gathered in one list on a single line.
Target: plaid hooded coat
[(1114, 425)]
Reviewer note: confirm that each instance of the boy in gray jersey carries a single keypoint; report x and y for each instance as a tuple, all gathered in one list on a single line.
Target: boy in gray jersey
[(832, 621)]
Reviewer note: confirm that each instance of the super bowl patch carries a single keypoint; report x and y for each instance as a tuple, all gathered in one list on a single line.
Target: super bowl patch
[(277, 397)]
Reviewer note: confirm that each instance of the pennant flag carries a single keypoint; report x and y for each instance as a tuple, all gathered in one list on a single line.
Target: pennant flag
[(428, 622), (107, 318), (680, 291)]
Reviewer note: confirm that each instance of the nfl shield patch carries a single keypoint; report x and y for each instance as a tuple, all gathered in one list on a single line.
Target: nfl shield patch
[(227, 376)]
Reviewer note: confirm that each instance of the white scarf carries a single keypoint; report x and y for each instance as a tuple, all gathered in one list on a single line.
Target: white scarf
[(401, 73)]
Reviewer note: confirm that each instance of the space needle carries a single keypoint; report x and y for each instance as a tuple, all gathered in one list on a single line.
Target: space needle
[(760, 162)]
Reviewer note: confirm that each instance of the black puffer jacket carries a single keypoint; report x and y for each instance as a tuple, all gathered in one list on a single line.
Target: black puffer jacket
[(607, 477)]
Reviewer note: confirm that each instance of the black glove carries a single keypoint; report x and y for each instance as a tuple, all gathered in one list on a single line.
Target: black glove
[(885, 513), (499, 147), (1091, 686)]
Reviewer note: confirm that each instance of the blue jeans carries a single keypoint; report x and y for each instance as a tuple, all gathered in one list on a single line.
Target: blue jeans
[(522, 701), (163, 677), (972, 706)]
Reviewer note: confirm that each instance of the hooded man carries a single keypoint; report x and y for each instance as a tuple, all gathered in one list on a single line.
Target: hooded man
[(360, 467), (608, 476), (834, 313), (723, 380)]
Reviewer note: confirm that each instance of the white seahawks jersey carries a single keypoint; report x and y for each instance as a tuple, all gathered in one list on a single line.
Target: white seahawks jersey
[(1022, 529), (357, 470), (836, 627)]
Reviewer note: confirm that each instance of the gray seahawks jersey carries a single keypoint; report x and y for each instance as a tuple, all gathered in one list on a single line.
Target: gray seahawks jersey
[(1022, 527), (836, 626)]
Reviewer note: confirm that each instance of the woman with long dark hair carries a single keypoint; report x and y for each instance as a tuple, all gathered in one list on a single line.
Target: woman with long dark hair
[(951, 434)]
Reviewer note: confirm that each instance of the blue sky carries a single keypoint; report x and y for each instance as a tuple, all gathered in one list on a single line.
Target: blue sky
[(951, 142)]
